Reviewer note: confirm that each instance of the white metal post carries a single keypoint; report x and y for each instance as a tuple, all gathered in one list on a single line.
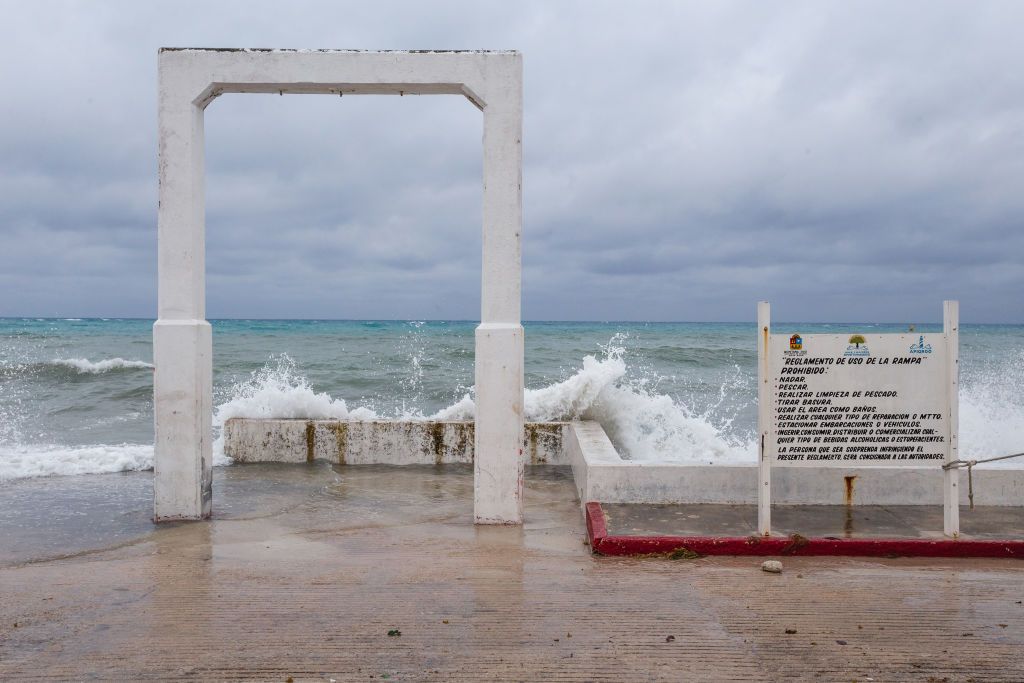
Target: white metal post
[(764, 419), (951, 476)]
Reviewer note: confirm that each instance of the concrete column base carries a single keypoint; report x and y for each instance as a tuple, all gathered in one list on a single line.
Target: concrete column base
[(498, 467), (182, 389)]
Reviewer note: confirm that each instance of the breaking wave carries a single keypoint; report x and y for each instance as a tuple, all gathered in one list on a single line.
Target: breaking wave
[(59, 368), (279, 390), (21, 461), (87, 367), (992, 412), (643, 424)]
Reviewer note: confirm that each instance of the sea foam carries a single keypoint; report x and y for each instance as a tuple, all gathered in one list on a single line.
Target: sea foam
[(992, 412), (87, 367), (643, 424), (21, 461), (278, 390)]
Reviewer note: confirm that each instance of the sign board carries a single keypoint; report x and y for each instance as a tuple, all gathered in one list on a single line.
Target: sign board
[(858, 400)]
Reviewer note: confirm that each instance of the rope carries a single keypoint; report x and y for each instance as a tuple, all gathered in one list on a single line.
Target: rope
[(969, 464)]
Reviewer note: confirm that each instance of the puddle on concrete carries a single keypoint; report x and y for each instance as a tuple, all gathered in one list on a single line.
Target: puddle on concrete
[(60, 516), (51, 517), (839, 521)]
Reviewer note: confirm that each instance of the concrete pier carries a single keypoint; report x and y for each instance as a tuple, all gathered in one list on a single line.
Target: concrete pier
[(304, 569), (601, 473)]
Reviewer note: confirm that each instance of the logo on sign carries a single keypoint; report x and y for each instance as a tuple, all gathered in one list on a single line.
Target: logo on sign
[(796, 342), (920, 346), (858, 346)]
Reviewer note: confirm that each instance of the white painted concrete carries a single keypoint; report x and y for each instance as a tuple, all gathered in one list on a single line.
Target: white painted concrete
[(764, 411), (498, 466), (182, 484), (190, 79), (951, 483), (602, 475), (387, 442)]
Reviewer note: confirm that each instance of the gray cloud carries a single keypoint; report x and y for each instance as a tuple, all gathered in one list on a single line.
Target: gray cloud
[(682, 161)]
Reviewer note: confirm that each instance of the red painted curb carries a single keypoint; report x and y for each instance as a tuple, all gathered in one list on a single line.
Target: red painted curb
[(596, 528), (603, 544)]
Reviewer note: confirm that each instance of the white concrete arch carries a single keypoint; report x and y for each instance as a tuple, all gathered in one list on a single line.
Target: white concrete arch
[(182, 344)]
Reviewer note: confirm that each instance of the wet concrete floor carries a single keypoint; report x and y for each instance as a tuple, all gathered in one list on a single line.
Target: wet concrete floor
[(836, 521), (306, 569)]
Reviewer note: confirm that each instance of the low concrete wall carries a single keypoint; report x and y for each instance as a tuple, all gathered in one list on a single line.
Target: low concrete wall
[(600, 472), (384, 442), (603, 476)]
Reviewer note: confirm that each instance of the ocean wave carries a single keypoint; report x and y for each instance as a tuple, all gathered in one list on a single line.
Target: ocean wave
[(23, 461), (699, 357), (992, 412), (278, 390), (643, 424), (30, 334), (84, 366), (74, 367)]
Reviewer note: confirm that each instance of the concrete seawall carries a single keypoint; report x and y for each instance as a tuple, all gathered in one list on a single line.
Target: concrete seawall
[(385, 442), (600, 472)]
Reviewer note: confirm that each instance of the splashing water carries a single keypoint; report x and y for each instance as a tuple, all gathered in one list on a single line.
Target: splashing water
[(668, 393), (19, 462), (278, 390), (992, 412), (642, 424)]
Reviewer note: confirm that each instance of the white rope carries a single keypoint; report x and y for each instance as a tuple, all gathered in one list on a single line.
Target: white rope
[(969, 464)]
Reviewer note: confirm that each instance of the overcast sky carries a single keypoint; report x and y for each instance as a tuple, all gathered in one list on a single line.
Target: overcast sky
[(847, 161)]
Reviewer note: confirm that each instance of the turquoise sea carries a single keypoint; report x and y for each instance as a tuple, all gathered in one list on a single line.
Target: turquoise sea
[(76, 394)]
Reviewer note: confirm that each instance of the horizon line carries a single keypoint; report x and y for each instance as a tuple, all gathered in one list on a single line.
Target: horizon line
[(467, 320)]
